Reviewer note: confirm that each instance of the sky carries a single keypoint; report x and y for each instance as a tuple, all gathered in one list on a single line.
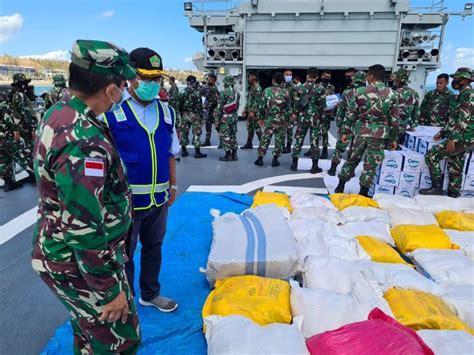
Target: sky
[(47, 29)]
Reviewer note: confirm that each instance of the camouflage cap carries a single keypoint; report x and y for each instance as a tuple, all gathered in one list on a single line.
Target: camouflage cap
[(229, 80), (59, 79), (102, 57), (360, 77), (20, 78), (463, 73), (402, 75)]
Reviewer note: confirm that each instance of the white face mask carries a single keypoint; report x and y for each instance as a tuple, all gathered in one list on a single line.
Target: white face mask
[(288, 78)]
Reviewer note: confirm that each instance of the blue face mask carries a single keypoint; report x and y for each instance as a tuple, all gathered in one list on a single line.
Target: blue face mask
[(147, 91), (116, 105)]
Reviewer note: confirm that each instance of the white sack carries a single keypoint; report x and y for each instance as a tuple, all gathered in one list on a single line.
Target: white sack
[(465, 240), (322, 214), (448, 342), (411, 216), (302, 200), (387, 202), (365, 214), (377, 230), (461, 299)]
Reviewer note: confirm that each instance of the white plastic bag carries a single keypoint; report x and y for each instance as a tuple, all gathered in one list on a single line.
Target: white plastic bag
[(302, 200), (465, 240), (238, 335), (435, 204), (387, 202), (411, 216), (365, 214), (448, 342), (322, 214), (370, 229), (461, 299)]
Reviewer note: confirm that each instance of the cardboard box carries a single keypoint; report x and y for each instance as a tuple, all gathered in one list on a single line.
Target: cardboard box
[(404, 190), (413, 162), (409, 179), (445, 181), (468, 183), (424, 144), (393, 161), (377, 189), (469, 164), (411, 142), (388, 178), (467, 194), (425, 181)]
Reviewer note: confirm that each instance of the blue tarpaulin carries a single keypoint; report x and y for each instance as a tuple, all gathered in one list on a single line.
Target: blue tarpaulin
[(185, 249)]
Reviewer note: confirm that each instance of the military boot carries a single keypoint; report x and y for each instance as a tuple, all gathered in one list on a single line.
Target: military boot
[(315, 168), (332, 170), (259, 161), (287, 148), (234, 155), (184, 152), (364, 191), (340, 187), (453, 194), (307, 154), (207, 143), (294, 164), (275, 161), (11, 185), (31, 178), (248, 145), (198, 154), (435, 189), (324, 153), (226, 157)]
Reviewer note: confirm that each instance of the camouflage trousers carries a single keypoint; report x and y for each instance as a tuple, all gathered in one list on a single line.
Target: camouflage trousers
[(300, 134), (210, 120), (253, 126), (188, 120), (340, 149), (325, 126), (455, 164), (14, 151), (275, 127), (290, 124), (228, 132), (374, 155), (90, 335)]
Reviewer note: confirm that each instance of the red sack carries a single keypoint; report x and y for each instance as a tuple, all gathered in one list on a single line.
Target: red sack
[(380, 334)]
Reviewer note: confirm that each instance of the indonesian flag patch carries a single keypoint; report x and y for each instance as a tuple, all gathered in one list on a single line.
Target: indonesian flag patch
[(94, 167)]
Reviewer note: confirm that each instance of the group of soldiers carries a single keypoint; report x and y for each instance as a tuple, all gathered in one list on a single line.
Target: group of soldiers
[(18, 122)]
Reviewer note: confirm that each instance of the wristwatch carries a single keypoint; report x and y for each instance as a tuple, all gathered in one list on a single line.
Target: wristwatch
[(174, 187)]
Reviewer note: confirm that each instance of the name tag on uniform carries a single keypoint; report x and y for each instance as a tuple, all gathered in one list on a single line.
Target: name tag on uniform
[(94, 167), (120, 115)]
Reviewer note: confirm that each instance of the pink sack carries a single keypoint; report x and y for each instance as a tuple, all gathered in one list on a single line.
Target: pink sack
[(380, 334)]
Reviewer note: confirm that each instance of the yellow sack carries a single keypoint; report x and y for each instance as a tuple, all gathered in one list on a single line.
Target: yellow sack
[(456, 220), (422, 310), (263, 300), (342, 201), (267, 198), (409, 237), (379, 251)]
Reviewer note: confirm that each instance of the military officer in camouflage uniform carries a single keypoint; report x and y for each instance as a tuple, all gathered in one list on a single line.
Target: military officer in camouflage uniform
[(328, 115), (358, 81), (408, 101), (309, 118), (211, 95), (459, 137), (251, 111), (173, 95), (372, 116), (434, 110), (85, 211), (190, 106), (292, 114), (59, 92), (227, 116), (274, 106)]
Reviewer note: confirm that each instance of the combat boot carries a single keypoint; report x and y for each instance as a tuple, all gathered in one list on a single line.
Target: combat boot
[(11, 185), (248, 145), (324, 153), (434, 190), (207, 143), (340, 187), (31, 178), (184, 152), (364, 191), (198, 154), (259, 161), (287, 149), (234, 155), (275, 162), (315, 168), (226, 157), (294, 165), (307, 154), (332, 170), (453, 194)]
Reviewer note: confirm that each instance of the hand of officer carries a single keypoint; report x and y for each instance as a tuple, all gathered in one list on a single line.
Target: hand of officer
[(172, 197), (251, 115), (17, 136), (392, 145), (437, 136), (116, 309), (344, 139), (450, 145)]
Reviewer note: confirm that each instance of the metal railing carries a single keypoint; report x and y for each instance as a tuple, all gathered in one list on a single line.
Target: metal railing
[(431, 6)]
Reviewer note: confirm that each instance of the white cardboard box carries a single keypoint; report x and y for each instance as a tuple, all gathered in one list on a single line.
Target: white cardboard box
[(469, 164), (424, 144), (377, 189), (425, 181), (467, 194), (409, 179), (468, 183), (388, 178), (393, 161), (413, 162), (411, 141), (404, 190)]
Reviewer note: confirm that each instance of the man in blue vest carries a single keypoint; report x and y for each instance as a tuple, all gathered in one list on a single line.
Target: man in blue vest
[(144, 131)]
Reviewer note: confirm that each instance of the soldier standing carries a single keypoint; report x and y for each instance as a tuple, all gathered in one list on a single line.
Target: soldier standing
[(459, 137), (275, 104), (311, 108), (408, 101), (173, 95), (191, 115), (227, 116), (328, 115), (251, 111), (211, 95), (358, 81), (434, 110), (59, 92), (85, 207), (289, 85), (372, 116)]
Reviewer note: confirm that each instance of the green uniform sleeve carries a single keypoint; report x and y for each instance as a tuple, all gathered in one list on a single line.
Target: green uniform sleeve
[(29, 121), (461, 129), (350, 116), (393, 119), (415, 115), (424, 110)]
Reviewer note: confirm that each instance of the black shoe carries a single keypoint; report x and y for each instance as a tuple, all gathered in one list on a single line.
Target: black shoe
[(315, 169), (184, 152), (453, 194), (220, 146), (364, 191), (332, 170), (287, 149), (307, 154), (177, 159), (434, 190), (207, 143), (340, 187), (294, 165), (248, 145), (324, 154), (259, 161), (275, 162), (198, 154), (31, 179), (234, 155), (226, 157), (11, 185)]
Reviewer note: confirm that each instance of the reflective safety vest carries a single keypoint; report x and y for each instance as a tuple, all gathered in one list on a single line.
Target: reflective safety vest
[(145, 154)]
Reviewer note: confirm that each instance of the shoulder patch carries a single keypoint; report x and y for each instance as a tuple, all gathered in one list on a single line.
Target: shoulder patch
[(94, 167)]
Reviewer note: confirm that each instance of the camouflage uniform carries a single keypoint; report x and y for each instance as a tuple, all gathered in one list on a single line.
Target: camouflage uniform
[(23, 112), (191, 115), (372, 115), (252, 106), (460, 129), (290, 123), (274, 106), (173, 95), (408, 103), (59, 92), (359, 80), (228, 121), (434, 110), (211, 93), (329, 89), (310, 119), (84, 215)]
